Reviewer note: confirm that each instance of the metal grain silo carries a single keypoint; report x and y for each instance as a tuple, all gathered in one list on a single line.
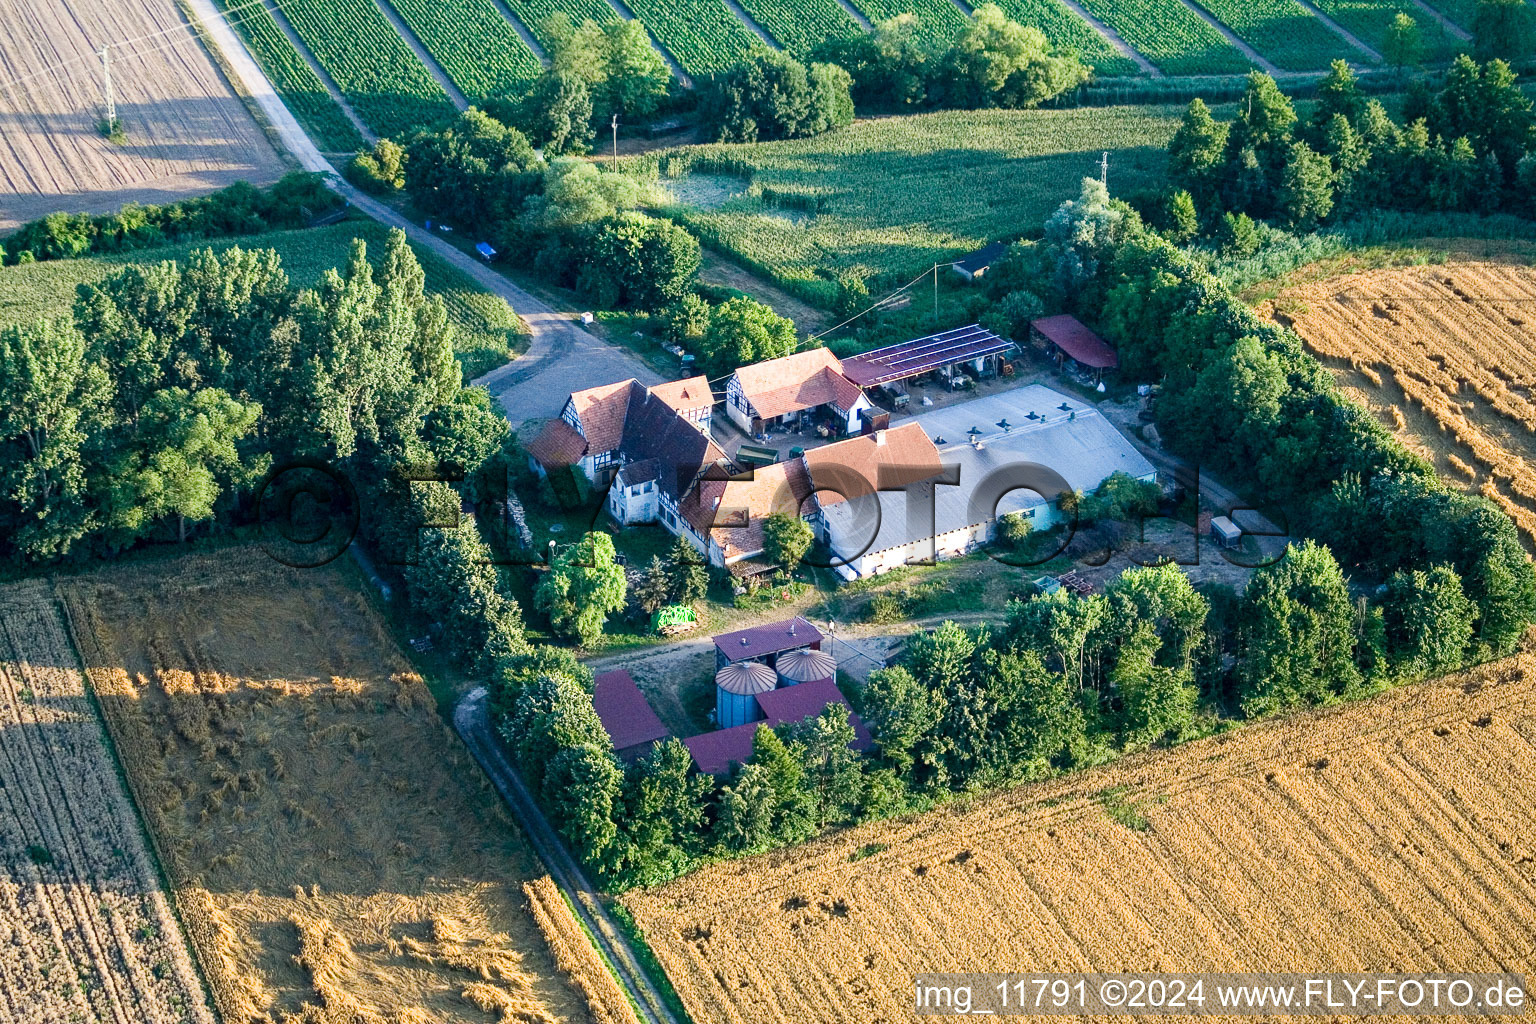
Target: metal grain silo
[(736, 690), (805, 666)]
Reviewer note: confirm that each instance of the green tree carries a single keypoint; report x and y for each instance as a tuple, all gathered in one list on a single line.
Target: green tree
[(476, 170), (1059, 626), (1037, 724), (687, 573), (686, 320), (52, 400), (1503, 29), (1402, 45), (1082, 234), (1198, 151), (783, 768), (641, 262), (556, 113), (771, 95), (623, 71), (1155, 701), (663, 822), (380, 170), (655, 588), (1306, 187), (582, 587), (1161, 598), (745, 813), (834, 771), (467, 430), (786, 539), (1299, 634), (1180, 217), (453, 580), (1338, 95), (903, 715), (1011, 317), (584, 791), (996, 61), (1428, 620), (181, 457), (549, 715), (743, 331)]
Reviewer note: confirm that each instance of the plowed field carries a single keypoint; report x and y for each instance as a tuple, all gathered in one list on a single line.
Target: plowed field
[(187, 132), (1389, 835), (1446, 356)]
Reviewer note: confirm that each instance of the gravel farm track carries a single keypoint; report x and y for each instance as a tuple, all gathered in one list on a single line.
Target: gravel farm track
[(187, 131)]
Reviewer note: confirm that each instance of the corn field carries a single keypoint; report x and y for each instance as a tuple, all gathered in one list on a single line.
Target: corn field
[(1446, 356), (1385, 834), (86, 934)]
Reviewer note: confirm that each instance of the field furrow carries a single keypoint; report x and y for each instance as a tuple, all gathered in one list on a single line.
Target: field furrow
[(477, 47), (938, 20), (1171, 35), (295, 81), (1285, 32), (703, 35), (535, 13), (799, 25), (1063, 27), (1370, 19), (375, 69)]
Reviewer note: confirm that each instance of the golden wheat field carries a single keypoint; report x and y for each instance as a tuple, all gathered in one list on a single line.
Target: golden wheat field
[(1392, 835), (1446, 357), (337, 854), (86, 932)]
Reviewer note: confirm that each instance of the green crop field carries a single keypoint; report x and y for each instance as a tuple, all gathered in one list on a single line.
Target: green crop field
[(1063, 27), (477, 47), (1170, 35), (533, 13), (295, 81), (376, 71), (1462, 12), (799, 25), (703, 35), (937, 19), (1369, 20), (487, 327), (1285, 32), (898, 194)]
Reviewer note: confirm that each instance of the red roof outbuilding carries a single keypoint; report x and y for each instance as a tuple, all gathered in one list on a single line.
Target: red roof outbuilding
[(715, 752), (759, 641), (626, 715), (808, 700), (1068, 334)]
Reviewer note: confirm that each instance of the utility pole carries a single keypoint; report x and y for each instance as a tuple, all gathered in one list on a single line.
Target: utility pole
[(615, 141), (935, 295), (1104, 168), (106, 87)]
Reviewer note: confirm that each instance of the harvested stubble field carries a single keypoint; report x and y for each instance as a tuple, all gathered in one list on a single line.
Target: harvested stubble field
[(337, 854), (187, 132), (86, 932), (1446, 356), (1392, 835)]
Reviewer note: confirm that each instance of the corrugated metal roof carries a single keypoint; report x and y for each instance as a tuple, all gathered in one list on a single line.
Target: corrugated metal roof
[(769, 639), (1045, 428), (1069, 334)]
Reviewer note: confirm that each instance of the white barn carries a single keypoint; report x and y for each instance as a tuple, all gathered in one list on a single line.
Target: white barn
[(879, 532)]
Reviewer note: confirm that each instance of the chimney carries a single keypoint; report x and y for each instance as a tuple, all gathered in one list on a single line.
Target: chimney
[(880, 438), (791, 627)]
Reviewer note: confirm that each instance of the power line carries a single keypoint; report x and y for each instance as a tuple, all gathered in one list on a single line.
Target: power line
[(52, 69)]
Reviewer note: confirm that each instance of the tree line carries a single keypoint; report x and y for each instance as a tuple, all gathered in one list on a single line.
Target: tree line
[(294, 201)]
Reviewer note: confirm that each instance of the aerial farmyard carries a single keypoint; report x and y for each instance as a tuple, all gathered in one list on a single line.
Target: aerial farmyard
[(687, 511)]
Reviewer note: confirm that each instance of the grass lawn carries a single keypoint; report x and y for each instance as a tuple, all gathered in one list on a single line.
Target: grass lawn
[(888, 197), (489, 332)]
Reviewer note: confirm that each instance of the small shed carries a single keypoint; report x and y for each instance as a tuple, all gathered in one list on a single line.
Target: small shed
[(976, 264), (1068, 338), (485, 250), (1225, 532), (765, 643)]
